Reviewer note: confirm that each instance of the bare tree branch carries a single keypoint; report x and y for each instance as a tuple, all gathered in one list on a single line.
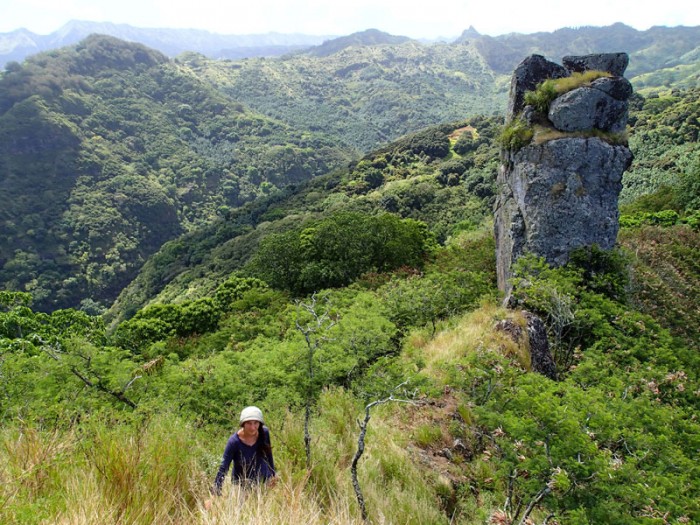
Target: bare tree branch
[(361, 446), (55, 353), (320, 324), (534, 502)]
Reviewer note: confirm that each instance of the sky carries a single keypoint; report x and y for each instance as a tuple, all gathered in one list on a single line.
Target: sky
[(413, 18)]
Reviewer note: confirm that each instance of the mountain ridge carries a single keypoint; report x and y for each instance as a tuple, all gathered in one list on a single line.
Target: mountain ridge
[(20, 43), (139, 151), (200, 137)]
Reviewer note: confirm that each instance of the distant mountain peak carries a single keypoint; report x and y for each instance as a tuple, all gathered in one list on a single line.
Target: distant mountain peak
[(468, 34), (99, 52), (373, 33), (18, 44), (368, 37)]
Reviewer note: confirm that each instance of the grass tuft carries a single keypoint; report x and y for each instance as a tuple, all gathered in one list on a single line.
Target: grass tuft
[(515, 135), (552, 88), (542, 134)]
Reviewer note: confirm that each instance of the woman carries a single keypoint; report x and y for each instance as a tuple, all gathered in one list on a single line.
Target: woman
[(250, 451)]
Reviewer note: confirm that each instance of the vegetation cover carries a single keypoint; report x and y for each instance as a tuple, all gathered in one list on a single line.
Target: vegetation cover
[(87, 411), (100, 139), (613, 441), (109, 149), (122, 418), (420, 177)]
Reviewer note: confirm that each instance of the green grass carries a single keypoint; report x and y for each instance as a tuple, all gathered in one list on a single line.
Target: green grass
[(516, 135), (550, 89)]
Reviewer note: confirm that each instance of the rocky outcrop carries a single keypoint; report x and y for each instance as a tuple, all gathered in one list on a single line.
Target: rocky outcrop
[(560, 192), (588, 108), (613, 63), (532, 71), (541, 360)]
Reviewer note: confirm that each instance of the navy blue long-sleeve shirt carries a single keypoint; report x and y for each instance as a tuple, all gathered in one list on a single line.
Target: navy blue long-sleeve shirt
[(250, 462)]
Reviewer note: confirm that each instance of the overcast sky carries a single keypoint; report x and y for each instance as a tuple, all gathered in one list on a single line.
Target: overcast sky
[(417, 19)]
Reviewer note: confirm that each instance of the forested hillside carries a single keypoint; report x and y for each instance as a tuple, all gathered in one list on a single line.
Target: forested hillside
[(109, 149), (443, 176), (364, 94), (351, 304), (664, 133), (652, 50), (420, 177), (372, 87), (313, 284)]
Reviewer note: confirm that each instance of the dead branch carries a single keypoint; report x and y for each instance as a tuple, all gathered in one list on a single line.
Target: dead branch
[(321, 323), (534, 502), (361, 445), (54, 352)]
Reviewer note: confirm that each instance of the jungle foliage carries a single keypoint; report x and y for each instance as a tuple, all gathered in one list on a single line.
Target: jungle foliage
[(109, 149), (613, 441), (418, 177), (211, 325)]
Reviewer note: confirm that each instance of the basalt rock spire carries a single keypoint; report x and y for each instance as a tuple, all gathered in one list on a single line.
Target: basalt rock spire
[(559, 183)]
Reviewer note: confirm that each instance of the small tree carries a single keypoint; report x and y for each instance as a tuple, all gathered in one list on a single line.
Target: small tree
[(315, 334)]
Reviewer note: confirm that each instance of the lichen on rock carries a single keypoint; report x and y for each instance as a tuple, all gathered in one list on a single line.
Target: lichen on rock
[(559, 195)]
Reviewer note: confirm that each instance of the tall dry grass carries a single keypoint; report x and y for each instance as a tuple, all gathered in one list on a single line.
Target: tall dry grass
[(161, 472), (473, 332)]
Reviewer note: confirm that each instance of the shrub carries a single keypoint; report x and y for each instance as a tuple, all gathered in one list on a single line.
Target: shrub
[(604, 271), (542, 97), (432, 142), (335, 251), (515, 135), (660, 218), (466, 143)]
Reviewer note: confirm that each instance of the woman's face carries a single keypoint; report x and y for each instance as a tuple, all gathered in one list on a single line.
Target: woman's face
[(251, 427)]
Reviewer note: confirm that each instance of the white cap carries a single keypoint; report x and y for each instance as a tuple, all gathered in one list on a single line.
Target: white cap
[(251, 414)]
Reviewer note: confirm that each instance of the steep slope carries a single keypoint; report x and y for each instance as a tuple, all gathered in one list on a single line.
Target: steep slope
[(649, 50), (443, 176), (370, 37), (365, 94), (467, 432), (372, 87), (108, 122), (665, 138), (449, 189), (109, 149)]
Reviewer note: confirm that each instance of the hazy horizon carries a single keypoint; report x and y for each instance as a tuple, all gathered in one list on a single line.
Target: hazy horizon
[(324, 18)]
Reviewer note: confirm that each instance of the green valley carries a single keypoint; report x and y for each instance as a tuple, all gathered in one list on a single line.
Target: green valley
[(109, 150), (183, 238)]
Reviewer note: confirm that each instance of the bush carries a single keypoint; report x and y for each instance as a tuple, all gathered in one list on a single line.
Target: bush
[(335, 251), (660, 218), (466, 143), (432, 142), (604, 271), (516, 135), (542, 97)]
